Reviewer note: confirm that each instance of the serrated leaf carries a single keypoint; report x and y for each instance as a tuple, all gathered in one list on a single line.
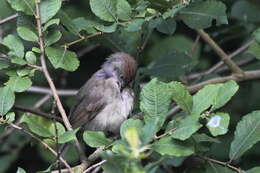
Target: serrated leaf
[(41, 126), (67, 136), (215, 168), (171, 66), (7, 98), (186, 127), (123, 10), (51, 22), (96, 139), (181, 96), (30, 57), (168, 146), (15, 45), (199, 15), (26, 6), (225, 93), (204, 98), (62, 58), (166, 26), (218, 123), (246, 135), (20, 170), (253, 170), (27, 34), (254, 50), (49, 8), (155, 101), (135, 25), (19, 84), (52, 37), (104, 9)]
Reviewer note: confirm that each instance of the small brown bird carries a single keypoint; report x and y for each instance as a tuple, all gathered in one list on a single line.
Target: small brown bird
[(106, 99)]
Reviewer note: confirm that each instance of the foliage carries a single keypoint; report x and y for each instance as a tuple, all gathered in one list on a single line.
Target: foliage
[(209, 126)]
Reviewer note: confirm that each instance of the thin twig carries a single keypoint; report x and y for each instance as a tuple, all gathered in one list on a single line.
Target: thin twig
[(82, 38), (42, 101), (44, 90), (224, 57), (37, 112), (86, 50), (168, 133), (42, 142), (9, 18), (50, 82), (194, 46), (95, 166), (221, 163)]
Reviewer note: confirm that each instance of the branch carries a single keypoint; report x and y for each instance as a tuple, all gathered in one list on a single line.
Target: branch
[(224, 57), (43, 90), (95, 166), (43, 143), (82, 38), (37, 112), (50, 82), (7, 19), (221, 163)]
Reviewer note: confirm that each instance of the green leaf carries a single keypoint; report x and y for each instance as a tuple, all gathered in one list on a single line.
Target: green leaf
[(67, 136), (167, 26), (51, 22), (225, 93), (204, 138), (246, 11), (42, 126), (131, 123), (7, 99), (204, 98), (107, 29), (155, 101), (218, 123), (26, 6), (36, 50), (18, 60), (19, 84), (215, 168), (254, 50), (30, 57), (4, 63), (62, 58), (86, 24), (20, 170), (168, 146), (253, 170), (49, 8), (123, 10), (135, 25), (104, 9), (256, 35), (171, 66), (52, 37), (181, 96), (15, 45), (96, 139), (68, 22), (186, 127), (4, 49), (10, 117), (27, 34), (246, 135), (199, 15)]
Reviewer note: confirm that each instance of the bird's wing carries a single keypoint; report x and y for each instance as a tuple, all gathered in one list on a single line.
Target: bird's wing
[(90, 101)]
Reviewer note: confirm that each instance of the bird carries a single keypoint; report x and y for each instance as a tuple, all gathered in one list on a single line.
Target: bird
[(106, 100)]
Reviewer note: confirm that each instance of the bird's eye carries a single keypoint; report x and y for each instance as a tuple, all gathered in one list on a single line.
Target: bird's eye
[(121, 77)]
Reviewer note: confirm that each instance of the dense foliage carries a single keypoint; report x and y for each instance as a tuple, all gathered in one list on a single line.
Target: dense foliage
[(197, 94)]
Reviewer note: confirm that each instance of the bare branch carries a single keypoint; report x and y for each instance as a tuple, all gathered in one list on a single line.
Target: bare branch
[(44, 90), (95, 166), (42, 142), (82, 38), (9, 18), (224, 57)]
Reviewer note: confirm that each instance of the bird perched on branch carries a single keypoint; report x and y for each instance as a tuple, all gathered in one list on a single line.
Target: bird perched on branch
[(106, 99)]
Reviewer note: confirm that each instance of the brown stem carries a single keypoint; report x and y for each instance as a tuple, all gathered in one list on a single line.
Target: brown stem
[(82, 38), (95, 166), (50, 82), (42, 142), (43, 90), (224, 57), (9, 18)]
